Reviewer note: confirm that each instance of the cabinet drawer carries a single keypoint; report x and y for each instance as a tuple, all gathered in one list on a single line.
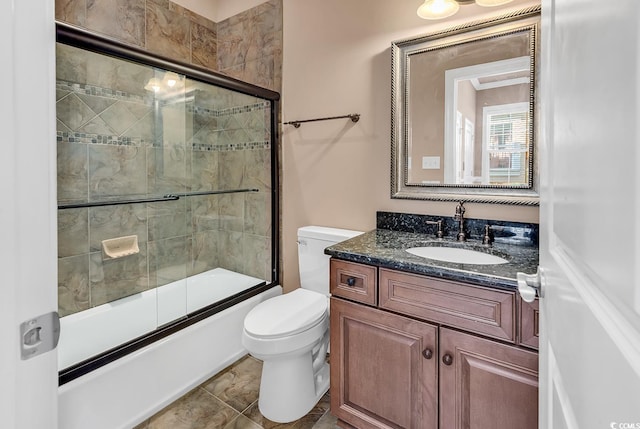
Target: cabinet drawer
[(529, 328), (353, 281), (485, 311)]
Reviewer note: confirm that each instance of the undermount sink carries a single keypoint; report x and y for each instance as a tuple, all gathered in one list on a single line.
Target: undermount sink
[(456, 255)]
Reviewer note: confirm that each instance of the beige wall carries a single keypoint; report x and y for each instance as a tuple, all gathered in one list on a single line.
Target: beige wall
[(337, 61)]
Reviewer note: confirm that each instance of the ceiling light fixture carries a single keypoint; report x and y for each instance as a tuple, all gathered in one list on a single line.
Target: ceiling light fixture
[(439, 9)]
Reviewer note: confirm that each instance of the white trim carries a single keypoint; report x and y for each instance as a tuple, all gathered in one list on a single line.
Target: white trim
[(556, 383), (498, 84), (28, 210), (623, 332)]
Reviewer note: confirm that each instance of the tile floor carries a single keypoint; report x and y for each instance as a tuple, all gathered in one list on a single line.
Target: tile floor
[(229, 400)]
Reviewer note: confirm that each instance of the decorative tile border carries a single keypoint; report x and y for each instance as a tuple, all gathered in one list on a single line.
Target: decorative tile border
[(86, 138), (77, 137), (230, 147), (81, 88)]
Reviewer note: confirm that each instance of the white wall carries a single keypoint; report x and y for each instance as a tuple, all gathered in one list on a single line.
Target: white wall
[(218, 10), (336, 60)]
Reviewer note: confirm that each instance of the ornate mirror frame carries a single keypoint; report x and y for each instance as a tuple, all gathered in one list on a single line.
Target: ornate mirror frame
[(525, 20)]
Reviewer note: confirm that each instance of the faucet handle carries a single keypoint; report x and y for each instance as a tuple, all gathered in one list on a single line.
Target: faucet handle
[(487, 239), (439, 231)]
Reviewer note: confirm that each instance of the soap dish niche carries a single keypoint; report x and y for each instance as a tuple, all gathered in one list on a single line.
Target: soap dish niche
[(120, 247)]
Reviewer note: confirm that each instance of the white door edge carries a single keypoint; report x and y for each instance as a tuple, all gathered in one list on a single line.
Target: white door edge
[(621, 329), (556, 384)]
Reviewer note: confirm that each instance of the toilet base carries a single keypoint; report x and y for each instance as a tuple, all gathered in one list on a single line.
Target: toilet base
[(289, 388)]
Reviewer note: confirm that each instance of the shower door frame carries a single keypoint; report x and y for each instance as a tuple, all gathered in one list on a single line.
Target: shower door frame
[(83, 39)]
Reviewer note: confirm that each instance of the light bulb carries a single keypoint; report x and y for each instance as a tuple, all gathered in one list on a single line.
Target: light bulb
[(490, 3), (171, 79), (437, 9), (153, 85)]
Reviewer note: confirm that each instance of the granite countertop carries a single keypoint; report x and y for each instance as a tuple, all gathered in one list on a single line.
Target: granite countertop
[(385, 248)]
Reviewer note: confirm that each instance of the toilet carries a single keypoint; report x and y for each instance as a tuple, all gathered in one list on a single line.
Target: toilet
[(290, 333)]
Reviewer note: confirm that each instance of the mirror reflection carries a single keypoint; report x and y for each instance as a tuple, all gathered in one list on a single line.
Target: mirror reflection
[(480, 135), (463, 112)]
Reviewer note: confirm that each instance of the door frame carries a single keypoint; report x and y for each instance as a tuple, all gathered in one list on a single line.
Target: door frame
[(28, 255)]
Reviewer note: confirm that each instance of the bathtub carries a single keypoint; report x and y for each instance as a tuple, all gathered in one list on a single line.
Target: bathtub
[(132, 388)]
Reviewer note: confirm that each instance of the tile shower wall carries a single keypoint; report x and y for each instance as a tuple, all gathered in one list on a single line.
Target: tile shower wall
[(115, 139), (247, 46), (251, 50)]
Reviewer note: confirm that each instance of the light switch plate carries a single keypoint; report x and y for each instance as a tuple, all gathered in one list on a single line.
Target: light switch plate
[(431, 163)]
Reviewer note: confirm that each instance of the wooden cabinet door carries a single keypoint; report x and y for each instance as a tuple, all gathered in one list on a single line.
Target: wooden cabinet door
[(384, 368), (485, 384)]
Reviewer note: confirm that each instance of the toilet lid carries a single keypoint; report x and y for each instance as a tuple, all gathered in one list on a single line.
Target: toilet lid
[(286, 314)]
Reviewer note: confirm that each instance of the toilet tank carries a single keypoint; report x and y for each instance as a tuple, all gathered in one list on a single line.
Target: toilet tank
[(312, 262)]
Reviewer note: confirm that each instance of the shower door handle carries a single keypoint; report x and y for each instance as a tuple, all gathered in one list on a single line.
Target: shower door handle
[(39, 335)]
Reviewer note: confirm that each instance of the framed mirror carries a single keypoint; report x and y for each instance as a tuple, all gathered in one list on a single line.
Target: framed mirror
[(463, 112)]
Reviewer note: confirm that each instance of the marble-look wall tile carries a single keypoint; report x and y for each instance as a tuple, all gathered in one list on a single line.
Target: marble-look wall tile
[(123, 115), (167, 219), (72, 11), (250, 43), (71, 63), (96, 126), (116, 221), (73, 232), (73, 112), (120, 19), (259, 72), (205, 170), (257, 173), (167, 170), (96, 103), (202, 21), (174, 123), (205, 213), (232, 212), (143, 129), (203, 125), (112, 279), (205, 253), (73, 175), (231, 251), (257, 214), (168, 33), (117, 170), (256, 259), (167, 261), (232, 165), (271, 15), (73, 284), (204, 46), (208, 96)]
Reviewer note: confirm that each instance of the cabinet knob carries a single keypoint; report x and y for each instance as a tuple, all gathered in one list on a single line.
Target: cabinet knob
[(447, 359), (351, 281), (427, 353)]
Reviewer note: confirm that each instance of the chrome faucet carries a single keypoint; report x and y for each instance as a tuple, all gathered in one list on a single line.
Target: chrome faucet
[(439, 231), (459, 217)]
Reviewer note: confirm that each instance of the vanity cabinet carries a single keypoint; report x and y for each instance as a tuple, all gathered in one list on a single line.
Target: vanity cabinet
[(485, 384), (384, 368), (430, 353)]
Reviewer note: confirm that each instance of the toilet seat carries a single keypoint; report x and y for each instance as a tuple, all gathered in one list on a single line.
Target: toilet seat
[(286, 315)]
